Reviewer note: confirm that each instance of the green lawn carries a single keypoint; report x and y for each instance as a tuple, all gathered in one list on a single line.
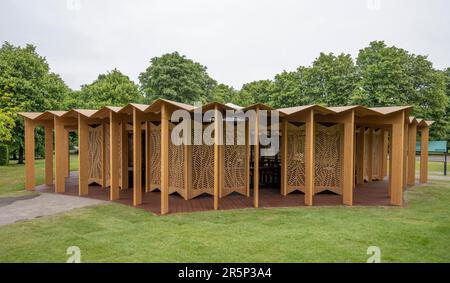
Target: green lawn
[(12, 177), (419, 232)]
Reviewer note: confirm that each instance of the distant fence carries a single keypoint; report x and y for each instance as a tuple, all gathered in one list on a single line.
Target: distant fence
[(437, 147)]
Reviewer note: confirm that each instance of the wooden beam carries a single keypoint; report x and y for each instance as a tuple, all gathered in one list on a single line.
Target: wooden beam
[(48, 153), (60, 172), (137, 157), (66, 154), (412, 133), (348, 166), (360, 149), (370, 149), (147, 156), (104, 157), (397, 143), (247, 159), (424, 155), (284, 153), (30, 178), (216, 157), (83, 155), (114, 149), (309, 157), (256, 162), (124, 151), (384, 166), (164, 159)]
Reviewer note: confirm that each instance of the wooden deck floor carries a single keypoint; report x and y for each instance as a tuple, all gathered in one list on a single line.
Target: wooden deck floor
[(375, 193)]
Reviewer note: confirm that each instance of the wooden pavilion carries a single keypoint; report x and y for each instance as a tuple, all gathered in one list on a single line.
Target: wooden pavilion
[(322, 148)]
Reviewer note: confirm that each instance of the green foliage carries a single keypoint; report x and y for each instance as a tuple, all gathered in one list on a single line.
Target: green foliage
[(173, 76), (257, 92), (113, 89), (4, 155)]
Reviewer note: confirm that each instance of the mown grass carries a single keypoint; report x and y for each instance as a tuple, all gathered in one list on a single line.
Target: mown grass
[(12, 177), (419, 232)]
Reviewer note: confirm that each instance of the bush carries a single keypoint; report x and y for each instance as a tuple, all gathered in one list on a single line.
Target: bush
[(4, 155)]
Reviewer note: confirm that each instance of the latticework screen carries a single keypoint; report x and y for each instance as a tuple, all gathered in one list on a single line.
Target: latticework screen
[(295, 158), (95, 154), (176, 166), (328, 159), (155, 156), (234, 167), (377, 154), (202, 164)]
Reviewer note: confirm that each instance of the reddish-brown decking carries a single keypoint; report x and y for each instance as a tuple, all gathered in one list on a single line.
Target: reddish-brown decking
[(375, 193)]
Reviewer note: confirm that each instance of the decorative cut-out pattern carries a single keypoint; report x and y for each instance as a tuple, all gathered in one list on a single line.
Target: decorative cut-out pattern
[(295, 158), (234, 167)]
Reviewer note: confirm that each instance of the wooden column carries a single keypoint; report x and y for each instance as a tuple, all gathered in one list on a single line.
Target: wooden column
[(284, 153), (397, 152), (137, 157), (412, 154), (60, 159), (49, 153), (424, 155), (217, 164), (360, 149), (164, 159), (370, 155), (30, 178), (348, 166), (83, 156), (104, 157), (147, 156), (405, 155), (66, 154), (309, 157), (247, 158), (384, 165), (124, 151), (114, 149), (256, 162)]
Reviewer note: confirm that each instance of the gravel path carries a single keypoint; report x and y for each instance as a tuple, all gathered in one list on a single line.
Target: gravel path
[(13, 209)]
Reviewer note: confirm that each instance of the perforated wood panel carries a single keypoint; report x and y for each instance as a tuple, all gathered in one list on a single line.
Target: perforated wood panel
[(176, 166), (366, 153), (155, 156), (377, 154), (202, 162), (234, 164), (295, 158), (328, 159), (95, 154)]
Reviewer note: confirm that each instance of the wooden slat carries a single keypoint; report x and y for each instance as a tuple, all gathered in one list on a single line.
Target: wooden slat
[(114, 135), (360, 149), (30, 178), (384, 166), (147, 156), (348, 166), (424, 155), (164, 159), (284, 152), (59, 156), (83, 155), (48, 153), (405, 153), (137, 158), (397, 143), (217, 164), (412, 154), (309, 158), (124, 150), (256, 162), (370, 149), (66, 154), (247, 159), (104, 157)]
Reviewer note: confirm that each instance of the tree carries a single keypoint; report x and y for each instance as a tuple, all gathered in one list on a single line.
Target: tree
[(393, 76), (26, 84), (290, 89), (175, 77), (332, 79), (257, 92), (223, 93), (112, 88)]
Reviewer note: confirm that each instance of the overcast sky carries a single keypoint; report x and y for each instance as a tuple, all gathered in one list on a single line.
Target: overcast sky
[(238, 40)]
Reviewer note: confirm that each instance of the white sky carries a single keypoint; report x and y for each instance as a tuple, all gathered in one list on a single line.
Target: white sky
[(238, 40)]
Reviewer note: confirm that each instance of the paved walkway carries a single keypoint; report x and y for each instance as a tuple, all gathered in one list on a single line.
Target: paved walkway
[(13, 209)]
